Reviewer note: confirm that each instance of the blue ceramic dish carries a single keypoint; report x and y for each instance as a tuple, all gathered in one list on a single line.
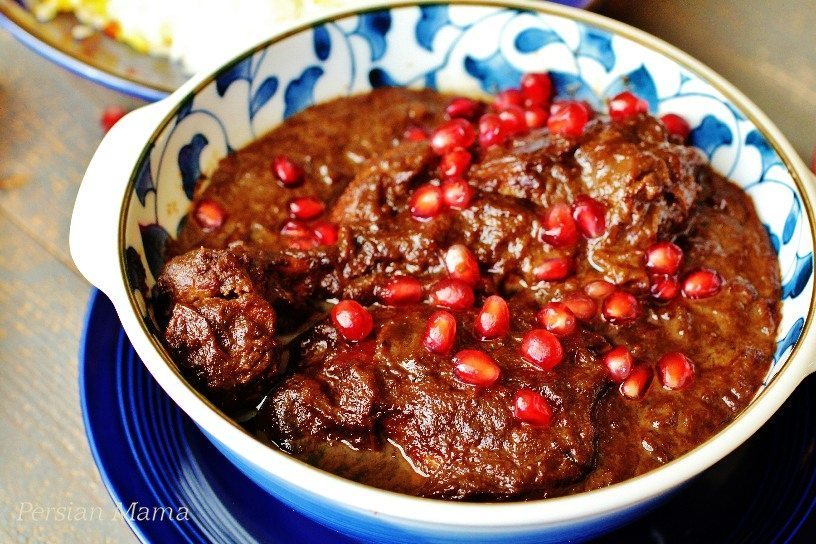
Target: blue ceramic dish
[(138, 188)]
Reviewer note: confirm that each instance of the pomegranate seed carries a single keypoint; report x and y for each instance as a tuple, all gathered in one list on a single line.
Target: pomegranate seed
[(702, 283), (676, 126), (537, 88), (557, 318), (536, 117), (306, 207), (559, 227), (675, 371), (462, 265), (581, 305), (400, 291), (476, 368), (663, 258), (634, 387), (542, 349), (619, 363), (454, 164), (452, 293), (590, 216), (599, 289), (426, 202), (289, 173), (507, 98), (325, 232), (457, 194), (296, 229), (440, 333), (466, 108), (568, 118), (110, 116), (555, 269), (513, 120), (352, 320), (452, 134), (626, 105), (493, 320), (664, 287), (491, 130), (209, 215), (532, 408), (415, 134), (620, 307)]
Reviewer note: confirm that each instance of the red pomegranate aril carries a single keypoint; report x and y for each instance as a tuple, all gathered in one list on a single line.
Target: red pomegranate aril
[(542, 349), (351, 320), (289, 173), (532, 408), (663, 258), (581, 306), (536, 88), (110, 116), (568, 118), (462, 265), (702, 283), (452, 134), (626, 105), (559, 228), (513, 120), (209, 215), (306, 208), (426, 202), (590, 216), (635, 386), (599, 288), (457, 194), (461, 107), (557, 318), (620, 307), (454, 164), (325, 232), (415, 134), (453, 294), (493, 320), (507, 98), (675, 371), (554, 269), (491, 130), (676, 126), (664, 287), (440, 333), (400, 291), (619, 362), (536, 116), (296, 229), (475, 368)]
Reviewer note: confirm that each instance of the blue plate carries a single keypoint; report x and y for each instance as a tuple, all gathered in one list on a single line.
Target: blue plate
[(151, 454)]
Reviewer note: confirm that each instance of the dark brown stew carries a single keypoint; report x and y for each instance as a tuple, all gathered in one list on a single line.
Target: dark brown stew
[(245, 302)]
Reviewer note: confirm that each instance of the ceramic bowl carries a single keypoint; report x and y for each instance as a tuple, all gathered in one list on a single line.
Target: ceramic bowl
[(138, 188)]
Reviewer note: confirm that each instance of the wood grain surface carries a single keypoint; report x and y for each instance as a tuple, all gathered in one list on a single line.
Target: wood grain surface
[(48, 132)]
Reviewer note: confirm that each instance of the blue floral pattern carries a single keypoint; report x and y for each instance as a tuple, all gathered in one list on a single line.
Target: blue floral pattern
[(471, 50)]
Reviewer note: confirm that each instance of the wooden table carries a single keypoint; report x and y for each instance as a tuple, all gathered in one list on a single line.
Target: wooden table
[(48, 132)]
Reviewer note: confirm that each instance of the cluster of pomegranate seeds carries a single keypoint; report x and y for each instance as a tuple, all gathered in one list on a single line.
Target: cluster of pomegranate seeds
[(454, 164), (626, 105), (401, 291), (426, 202), (553, 269), (619, 362), (209, 215), (634, 387), (461, 264), (306, 208), (620, 307), (532, 408), (676, 126), (702, 283), (289, 173), (351, 320), (475, 367), (110, 116), (451, 135), (557, 318), (493, 320), (452, 293), (599, 289), (542, 349), (462, 107), (440, 333), (568, 118), (457, 194), (675, 371)]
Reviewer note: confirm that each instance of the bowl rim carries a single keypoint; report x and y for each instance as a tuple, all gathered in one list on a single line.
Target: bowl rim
[(520, 514)]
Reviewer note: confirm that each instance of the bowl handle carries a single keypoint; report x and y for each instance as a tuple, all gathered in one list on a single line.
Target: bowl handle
[(94, 232)]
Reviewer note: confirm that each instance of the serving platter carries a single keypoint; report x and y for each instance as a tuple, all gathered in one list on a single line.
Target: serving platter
[(149, 453)]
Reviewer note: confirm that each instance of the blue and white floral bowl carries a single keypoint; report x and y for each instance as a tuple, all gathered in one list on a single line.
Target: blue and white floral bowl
[(139, 184)]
